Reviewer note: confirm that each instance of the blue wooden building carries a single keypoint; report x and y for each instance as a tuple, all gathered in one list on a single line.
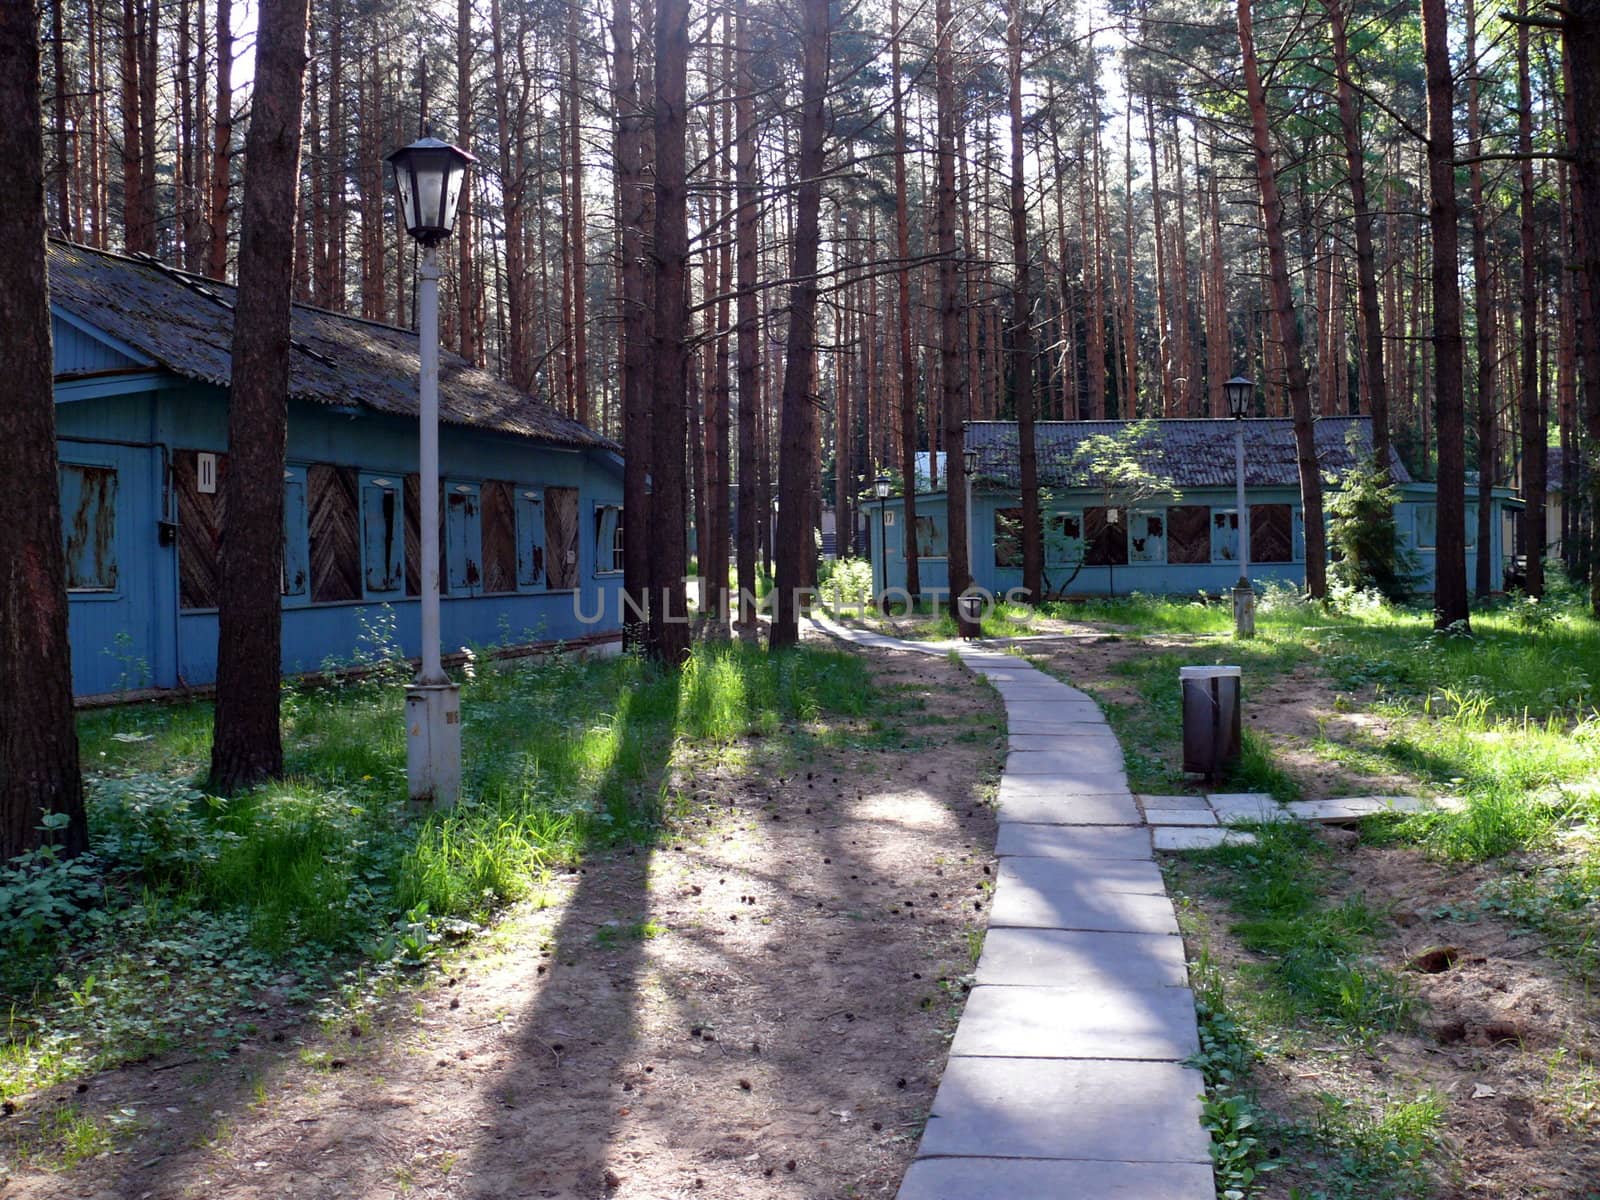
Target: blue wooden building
[(1164, 545), (532, 500)]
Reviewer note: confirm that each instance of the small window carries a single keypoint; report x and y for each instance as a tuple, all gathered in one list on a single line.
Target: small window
[(1427, 526), (607, 538), (199, 528), (383, 534), (1224, 535), (498, 517), (463, 545), (561, 536), (89, 527), (1189, 534), (530, 539), (334, 531), (1008, 537), (1271, 533), (1147, 537), (1063, 539), (932, 538)]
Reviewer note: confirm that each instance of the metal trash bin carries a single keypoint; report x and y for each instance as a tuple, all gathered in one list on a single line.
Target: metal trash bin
[(1211, 738), (969, 605)]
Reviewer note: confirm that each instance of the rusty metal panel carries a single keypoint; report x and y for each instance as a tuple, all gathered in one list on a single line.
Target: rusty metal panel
[(89, 526)]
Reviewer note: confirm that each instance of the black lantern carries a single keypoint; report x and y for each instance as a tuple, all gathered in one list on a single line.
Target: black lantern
[(969, 459), (428, 177), (1240, 391), (881, 486)]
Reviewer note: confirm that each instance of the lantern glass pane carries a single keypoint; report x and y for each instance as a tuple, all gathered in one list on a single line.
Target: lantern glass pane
[(408, 201), (430, 173), (455, 176)]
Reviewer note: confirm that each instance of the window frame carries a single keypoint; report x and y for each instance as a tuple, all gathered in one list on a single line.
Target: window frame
[(394, 483), (598, 508), (116, 590), (467, 556)]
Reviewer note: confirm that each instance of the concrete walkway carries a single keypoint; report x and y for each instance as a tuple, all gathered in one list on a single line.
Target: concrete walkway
[(1065, 1079)]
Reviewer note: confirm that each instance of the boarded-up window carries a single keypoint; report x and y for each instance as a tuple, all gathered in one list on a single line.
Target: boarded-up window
[(1147, 537), (530, 539), (561, 536), (932, 541), (1189, 534), (382, 534), (1224, 535), (1105, 540), (607, 538), (1008, 537), (1271, 533), (1063, 539), (199, 530), (413, 534), (463, 545), (334, 526), (89, 527), (296, 574), (498, 516)]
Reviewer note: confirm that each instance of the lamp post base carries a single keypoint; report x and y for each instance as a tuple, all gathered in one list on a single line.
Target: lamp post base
[(1244, 610), (433, 743)]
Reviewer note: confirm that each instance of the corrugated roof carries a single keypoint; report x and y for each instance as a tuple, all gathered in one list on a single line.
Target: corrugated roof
[(185, 323), (1195, 453)]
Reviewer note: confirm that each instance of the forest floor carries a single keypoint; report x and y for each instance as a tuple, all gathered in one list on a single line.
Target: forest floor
[(1402, 1008), (758, 1004)]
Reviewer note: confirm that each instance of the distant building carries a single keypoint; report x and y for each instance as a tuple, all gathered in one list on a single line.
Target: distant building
[(532, 514), (1166, 545)]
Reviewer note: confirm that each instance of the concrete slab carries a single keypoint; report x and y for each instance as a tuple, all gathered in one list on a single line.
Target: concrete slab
[(1170, 802), (1247, 807), (1027, 798), (1179, 816), (1043, 1179), (1054, 728), (1062, 957), (1064, 710), (1353, 808), (1054, 1108), (1097, 756), (1067, 738), (1166, 837), (1155, 1024), (1072, 843), (1139, 877), (1087, 906)]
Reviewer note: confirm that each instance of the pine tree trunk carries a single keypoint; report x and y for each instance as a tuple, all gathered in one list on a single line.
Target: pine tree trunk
[(669, 617), (1535, 432), (908, 363), (247, 746), (579, 230), (1487, 313), (38, 731), (636, 428), (1022, 330), (1580, 59), (1450, 559), (468, 339), (798, 431), (1284, 315), (221, 148)]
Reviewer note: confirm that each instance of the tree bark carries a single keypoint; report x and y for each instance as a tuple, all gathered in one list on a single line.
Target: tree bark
[(579, 244), (38, 731), (636, 429), (908, 363), (1534, 426), (247, 747), (1487, 314), (1022, 328), (1450, 557), (796, 473), (1284, 316), (669, 618), (221, 148), (747, 230)]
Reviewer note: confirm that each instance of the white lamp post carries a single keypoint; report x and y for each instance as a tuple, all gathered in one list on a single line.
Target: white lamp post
[(969, 460), (880, 488), (428, 177), (1240, 390)]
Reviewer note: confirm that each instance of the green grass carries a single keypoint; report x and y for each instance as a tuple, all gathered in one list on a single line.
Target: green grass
[(199, 904)]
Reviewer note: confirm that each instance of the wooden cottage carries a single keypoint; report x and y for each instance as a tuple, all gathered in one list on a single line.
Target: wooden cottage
[(532, 500), (1166, 545)]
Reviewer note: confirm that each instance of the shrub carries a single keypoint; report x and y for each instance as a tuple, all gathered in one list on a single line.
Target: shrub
[(1362, 536)]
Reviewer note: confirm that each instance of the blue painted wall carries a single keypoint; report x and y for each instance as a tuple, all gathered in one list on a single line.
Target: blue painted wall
[(134, 634), (1155, 578)]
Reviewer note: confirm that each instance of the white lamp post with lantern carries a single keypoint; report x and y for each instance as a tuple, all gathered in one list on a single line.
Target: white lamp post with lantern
[(1240, 390), (428, 176)]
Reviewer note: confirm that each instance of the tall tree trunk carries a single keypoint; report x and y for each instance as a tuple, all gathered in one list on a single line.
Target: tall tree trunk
[(1534, 426), (1450, 558), (747, 231), (579, 245), (221, 148), (908, 364), (1284, 315), (798, 434), (636, 429), (1165, 405), (955, 403), (38, 731), (717, 464), (1487, 312), (468, 339), (510, 120), (247, 746), (669, 616), (1022, 328), (135, 227)]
